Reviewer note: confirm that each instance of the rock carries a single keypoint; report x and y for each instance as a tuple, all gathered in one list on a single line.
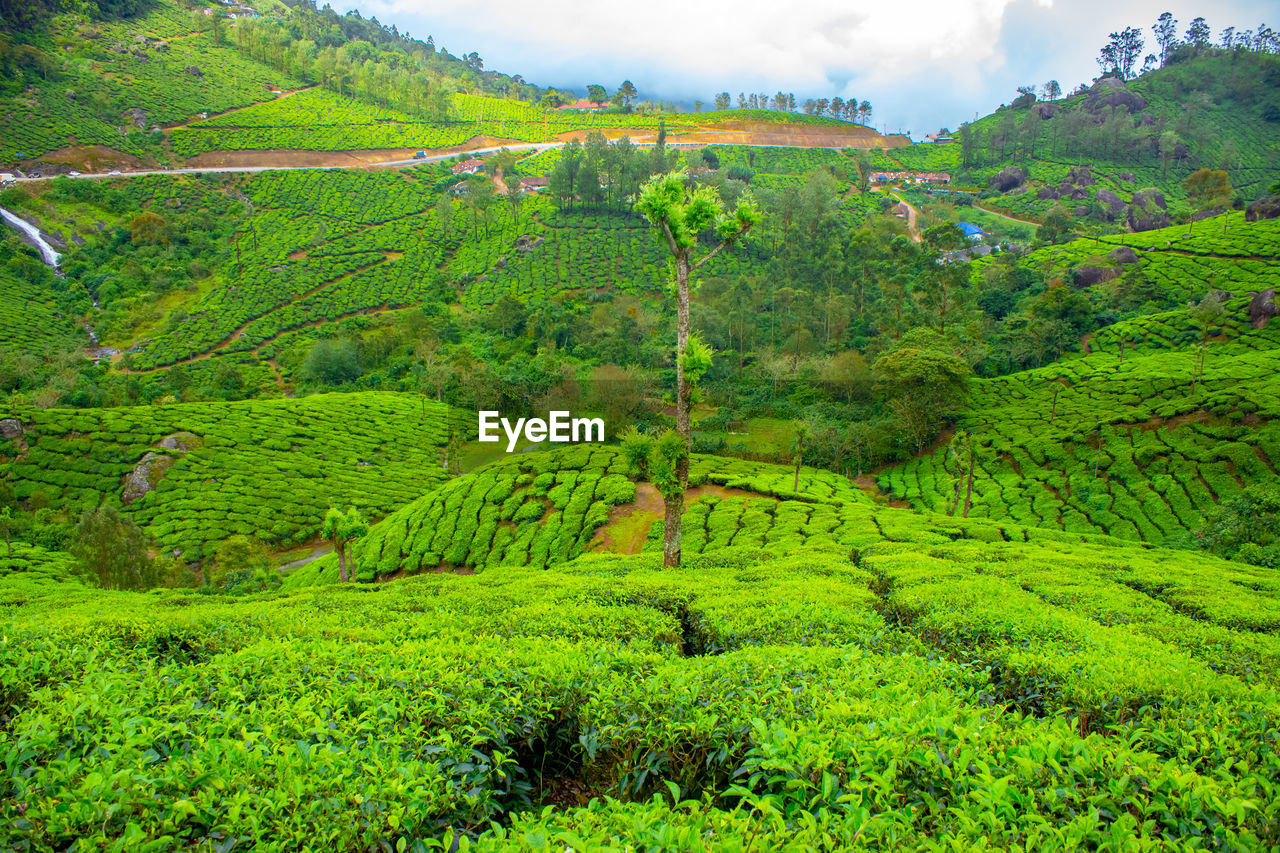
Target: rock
[(1089, 276), (194, 71), (1082, 210), (10, 429), (180, 441), (1008, 178), (527, 243), (1047, 192), (1081, 176), (144, 476), (1147, 210), (1110, 93), (1072, 193), (136, 117), (1045, 110), (1267, 207), (1205, 214), (1263, 307), (1123, 255), (1111, 203), (1128, 177), (151, 467), (1223, 295)]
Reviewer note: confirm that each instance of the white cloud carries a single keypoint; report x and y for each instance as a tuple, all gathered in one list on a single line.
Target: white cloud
[(922, 63)]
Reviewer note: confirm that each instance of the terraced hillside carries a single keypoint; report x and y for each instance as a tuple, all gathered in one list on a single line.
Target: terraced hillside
[(1141, 447), (543, 509), (193, 474), (309, 248), (350, 124), (1212, 108), (156, 69), (961, 693), (36, 308), (1167, 266)]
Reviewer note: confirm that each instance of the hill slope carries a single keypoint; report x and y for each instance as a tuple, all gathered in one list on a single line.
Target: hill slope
[(193, 474)]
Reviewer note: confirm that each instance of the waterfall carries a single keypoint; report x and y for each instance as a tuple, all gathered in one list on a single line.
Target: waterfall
[(47, 252)]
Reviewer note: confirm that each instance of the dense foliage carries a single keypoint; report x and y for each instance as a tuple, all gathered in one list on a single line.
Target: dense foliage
[(957, 693)]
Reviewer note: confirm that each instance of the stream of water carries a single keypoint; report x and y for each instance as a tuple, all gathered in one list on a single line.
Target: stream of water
[(47, 252)]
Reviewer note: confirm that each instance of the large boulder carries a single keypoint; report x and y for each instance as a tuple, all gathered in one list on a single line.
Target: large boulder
[(1088, 276), (1263, 307), (1045, 110), (1127, 177), (1110, 93), (10, 429), (136, 117), (1074, 193), (1123, 255), (1009, 178), (1267, 207), (1147, 211), (151, 467), (144, 476), (1112, 204), (1081, 176), (1047, 192), (1205, 214)]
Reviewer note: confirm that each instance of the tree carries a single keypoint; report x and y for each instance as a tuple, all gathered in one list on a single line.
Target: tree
[(923, 382), (962, 451), (342, 528), (110, 548), (331, 362), (6, 524), (679, 216), (864, 112), (1120, 54), (723, 101), (625, 95), (1198, 33), (1052, 90), (1208, 189), (1166, 33), (597, 94)]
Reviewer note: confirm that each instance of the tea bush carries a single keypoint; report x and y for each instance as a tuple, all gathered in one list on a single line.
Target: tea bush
[(927, 695)]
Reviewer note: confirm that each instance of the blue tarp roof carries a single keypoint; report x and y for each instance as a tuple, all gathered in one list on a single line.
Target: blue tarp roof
[(969, 229)]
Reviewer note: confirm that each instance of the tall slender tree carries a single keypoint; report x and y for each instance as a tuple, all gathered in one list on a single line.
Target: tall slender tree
[(680, 215)]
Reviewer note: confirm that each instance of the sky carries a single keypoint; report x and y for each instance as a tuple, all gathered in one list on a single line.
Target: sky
[(923, 64)]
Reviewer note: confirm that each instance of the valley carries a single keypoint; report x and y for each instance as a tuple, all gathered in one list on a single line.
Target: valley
[(915, 494)]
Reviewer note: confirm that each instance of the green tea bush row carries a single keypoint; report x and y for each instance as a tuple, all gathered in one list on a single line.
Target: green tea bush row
[(918, 695)]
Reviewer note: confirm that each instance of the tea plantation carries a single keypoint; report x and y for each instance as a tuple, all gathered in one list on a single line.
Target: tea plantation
[(951, 694), (543, 509), (1135, 447), (1177, 264), (267, 469)]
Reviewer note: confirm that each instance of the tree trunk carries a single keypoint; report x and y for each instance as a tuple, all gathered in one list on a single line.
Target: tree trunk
[(968, 492), (342, 561), (673, 511), (673, 507), (684, 394)]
